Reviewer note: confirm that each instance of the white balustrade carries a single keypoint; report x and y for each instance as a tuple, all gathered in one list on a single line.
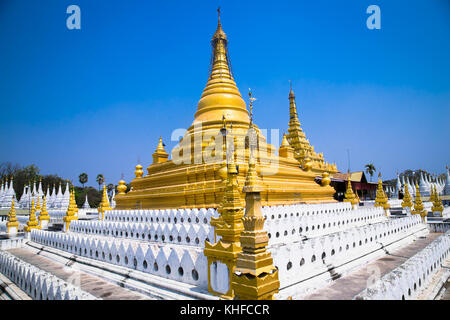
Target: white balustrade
[(181, 263), (39, 284), (409, 279)]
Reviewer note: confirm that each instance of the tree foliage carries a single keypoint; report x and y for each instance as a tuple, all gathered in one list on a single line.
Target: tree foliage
[(370, 169), (100, 179), (83, 178)]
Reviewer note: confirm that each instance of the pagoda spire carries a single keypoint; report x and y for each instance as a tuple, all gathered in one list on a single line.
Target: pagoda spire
[(304, 151), (44, 218), (418, 205), (160, 155), (32, 222), (104, 205), (381, 200), (71, 211), (407, 200), (221, 95)]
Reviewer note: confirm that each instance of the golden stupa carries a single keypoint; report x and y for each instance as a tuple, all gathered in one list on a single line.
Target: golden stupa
[(196, 173)]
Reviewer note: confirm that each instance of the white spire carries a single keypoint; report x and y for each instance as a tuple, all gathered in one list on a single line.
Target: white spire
[(447, 183), (86, 203), (52, 198), (113, 201), (58, 198), (65, 198)]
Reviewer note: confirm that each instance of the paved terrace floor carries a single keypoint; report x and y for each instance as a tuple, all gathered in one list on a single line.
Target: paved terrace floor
[(347, 287), (94, 285)]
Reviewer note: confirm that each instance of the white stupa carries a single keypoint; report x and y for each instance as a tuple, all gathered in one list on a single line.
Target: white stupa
[(9, 195), (58, 198), (51, 198), (2, 193), (86, 203), (65, 198), (113, 201), (447, 183)]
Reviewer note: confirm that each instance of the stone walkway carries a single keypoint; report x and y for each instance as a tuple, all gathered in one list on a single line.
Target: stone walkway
[(94, 285), (446, 295), (350, 285)]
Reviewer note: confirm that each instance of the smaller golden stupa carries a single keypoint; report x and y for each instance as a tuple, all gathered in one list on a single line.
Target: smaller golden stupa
[(418, 205), (407, 200), (104, 204), (71, 212), (381, 200), (12, 219), (32, 222)]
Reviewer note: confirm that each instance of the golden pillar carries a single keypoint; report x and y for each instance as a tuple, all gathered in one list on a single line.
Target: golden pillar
[(255, 277), (222, 255)]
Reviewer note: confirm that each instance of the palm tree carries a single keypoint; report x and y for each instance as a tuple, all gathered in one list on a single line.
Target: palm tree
[(370, 169), (110, 187), (100, 179), (83, 178)]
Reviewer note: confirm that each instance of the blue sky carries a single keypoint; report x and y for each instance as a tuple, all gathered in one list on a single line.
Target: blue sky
[(95, 100)]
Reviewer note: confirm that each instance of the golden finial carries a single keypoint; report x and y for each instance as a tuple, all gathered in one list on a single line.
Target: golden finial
[(251, 98), (122, 187), (139, 172), (160, 146)]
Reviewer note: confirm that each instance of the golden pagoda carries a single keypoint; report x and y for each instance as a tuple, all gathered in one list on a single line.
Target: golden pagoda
[(194, 176), (12, 226), (432, 196), (32, 222), (407, 200), (104, 204), (71, 212), (381, 200), (44, 218), (255, 277), (418, 205), (437, 203), (356, 200), (349, 195), (38, 205)]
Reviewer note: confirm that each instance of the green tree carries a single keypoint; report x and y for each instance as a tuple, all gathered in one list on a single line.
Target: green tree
[(100, 179), (370, 169), (83, 178)]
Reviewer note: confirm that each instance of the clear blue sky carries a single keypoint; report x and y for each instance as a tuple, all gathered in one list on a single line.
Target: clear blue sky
[(95, 100)]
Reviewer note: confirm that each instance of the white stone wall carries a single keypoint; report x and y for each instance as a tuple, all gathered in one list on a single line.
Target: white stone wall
[(409, 279), (38, 284), (173, 216), (182, 233), (298, 261), (290, 226)]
